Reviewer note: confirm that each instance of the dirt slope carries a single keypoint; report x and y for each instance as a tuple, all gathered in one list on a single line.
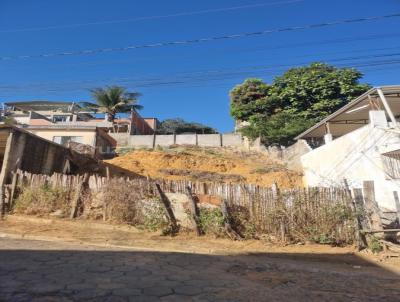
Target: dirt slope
[(210, 164)]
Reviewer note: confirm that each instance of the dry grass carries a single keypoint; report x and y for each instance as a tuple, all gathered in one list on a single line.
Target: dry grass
[(42, 200), (123, 202)]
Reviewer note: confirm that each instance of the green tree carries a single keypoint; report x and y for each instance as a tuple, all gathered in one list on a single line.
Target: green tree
[(316, 90), (112, 100), (249, 98), (278, 129), (178, 126), (294, 101)]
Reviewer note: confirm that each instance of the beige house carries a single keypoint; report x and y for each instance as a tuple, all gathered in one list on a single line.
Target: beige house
[(102, 144)]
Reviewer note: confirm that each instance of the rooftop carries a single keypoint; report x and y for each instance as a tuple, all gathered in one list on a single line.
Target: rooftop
[(356, 113), (43, 106)]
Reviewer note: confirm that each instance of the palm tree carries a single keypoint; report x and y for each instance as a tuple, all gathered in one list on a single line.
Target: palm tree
[(112, 100)]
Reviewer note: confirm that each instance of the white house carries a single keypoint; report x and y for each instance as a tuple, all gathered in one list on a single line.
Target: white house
[(359, 142)]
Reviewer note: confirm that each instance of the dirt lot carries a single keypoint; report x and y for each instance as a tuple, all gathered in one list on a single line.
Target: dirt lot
[(60, 260), (208, 164)]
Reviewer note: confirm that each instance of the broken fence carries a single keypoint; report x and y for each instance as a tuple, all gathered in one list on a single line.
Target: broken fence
[(271, 210)]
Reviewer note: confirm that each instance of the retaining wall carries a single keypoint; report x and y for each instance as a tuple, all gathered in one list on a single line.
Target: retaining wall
[(201, 140)]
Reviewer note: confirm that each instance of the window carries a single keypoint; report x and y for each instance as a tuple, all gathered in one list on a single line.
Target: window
[(61, 118), (63, 140)]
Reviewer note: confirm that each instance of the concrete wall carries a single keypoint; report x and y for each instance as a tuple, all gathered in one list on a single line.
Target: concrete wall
[(201, 140), (209, 140), (122, 139), (186, 139), (146, 141), (165, 140), (355, 157), (291, 155), (234, 140)]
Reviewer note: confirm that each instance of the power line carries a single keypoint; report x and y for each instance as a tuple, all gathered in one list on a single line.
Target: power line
[(183, 14), (264, 49), (186, 78), (202, 40)]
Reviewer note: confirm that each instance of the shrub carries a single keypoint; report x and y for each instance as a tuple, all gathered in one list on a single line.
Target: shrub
[(42, 200), (241, 222), (374, 245), (327, 223), (154, 216), (123, 201), (212, 221), (127, 203)]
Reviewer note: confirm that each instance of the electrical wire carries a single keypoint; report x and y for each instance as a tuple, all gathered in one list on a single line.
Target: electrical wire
[(201, 40), (214, 75), (183, 14)]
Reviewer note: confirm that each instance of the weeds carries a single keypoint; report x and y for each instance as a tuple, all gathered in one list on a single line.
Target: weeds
[(374, 245), (242, 223), (153, 216), (123, 202), (212, 221), (42, 200)]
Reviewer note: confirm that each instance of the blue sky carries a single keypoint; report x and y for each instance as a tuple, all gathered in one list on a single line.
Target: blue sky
[(189, 81)]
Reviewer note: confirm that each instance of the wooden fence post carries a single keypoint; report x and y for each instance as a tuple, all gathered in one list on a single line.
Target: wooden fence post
[(194, 211), (2, 203), (13, 189), (277, 195), (168, 209), (371, 205), (360, 239), (396, 200), (227, 223), (82, 188)]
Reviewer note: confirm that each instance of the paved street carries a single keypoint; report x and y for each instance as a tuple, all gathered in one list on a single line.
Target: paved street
[(48, 271)]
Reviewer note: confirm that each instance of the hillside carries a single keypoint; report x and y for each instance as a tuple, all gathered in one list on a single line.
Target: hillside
[(208, 164)]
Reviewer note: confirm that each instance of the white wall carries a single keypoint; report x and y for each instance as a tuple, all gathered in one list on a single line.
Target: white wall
[(355, 157)]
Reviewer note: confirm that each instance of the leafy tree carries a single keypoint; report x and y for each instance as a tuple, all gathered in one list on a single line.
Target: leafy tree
[(112, 100), (178, 126), (294, 101), (278, 129), (249, 98), (317, 90)]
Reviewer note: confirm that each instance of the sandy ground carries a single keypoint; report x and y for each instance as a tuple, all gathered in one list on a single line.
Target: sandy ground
[(62, 260), (208, 164)]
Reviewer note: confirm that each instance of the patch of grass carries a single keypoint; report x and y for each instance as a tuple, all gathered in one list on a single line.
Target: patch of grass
[(42, 200), (269, 169), (124, 150)]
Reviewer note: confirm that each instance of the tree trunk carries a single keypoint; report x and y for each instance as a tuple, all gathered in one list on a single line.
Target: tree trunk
[(110, 117)]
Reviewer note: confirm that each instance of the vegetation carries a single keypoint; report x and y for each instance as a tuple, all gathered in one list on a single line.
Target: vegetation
[(42, 200), (212, 221), (112, 100), (294, 101), (374, 244), (178, 126)]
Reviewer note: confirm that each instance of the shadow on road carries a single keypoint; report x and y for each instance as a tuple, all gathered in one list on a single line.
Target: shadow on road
[(44, 271)]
